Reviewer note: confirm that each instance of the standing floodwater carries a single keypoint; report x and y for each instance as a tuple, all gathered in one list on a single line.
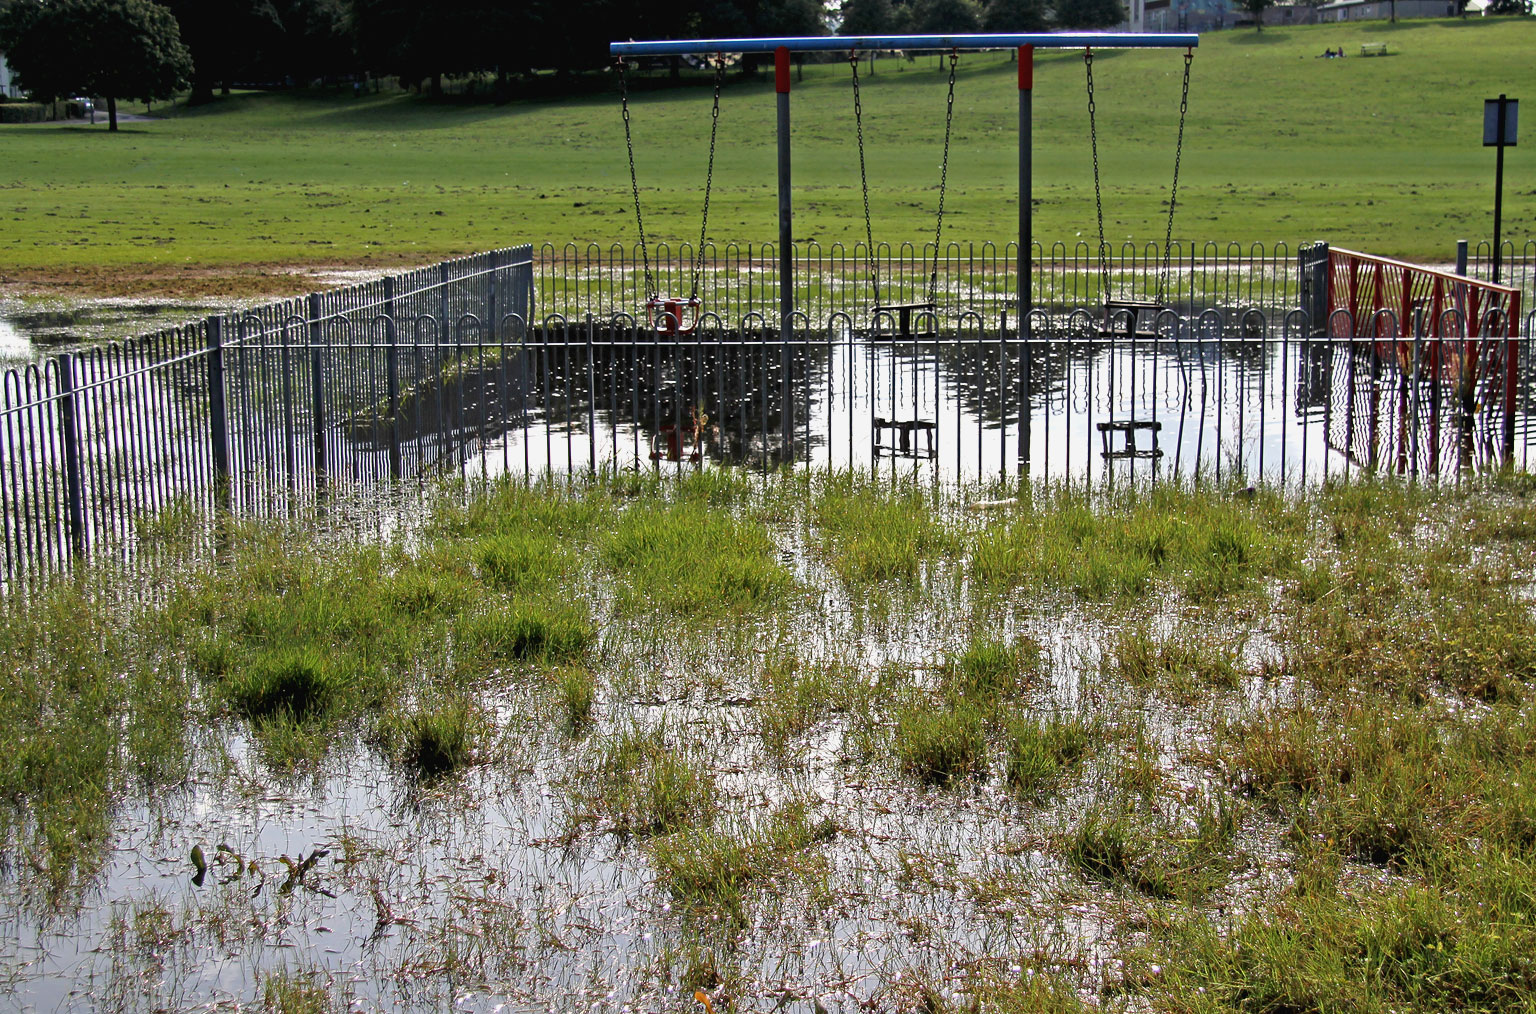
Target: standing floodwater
[(976, 406)]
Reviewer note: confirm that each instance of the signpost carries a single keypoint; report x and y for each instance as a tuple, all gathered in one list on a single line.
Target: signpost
[(1501, 118)]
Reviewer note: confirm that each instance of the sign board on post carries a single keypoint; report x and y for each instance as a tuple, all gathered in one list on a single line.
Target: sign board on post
[(1501, 118), (1494, 111)]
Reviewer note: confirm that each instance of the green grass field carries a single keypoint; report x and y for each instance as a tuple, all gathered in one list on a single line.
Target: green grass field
[(1380, 154)]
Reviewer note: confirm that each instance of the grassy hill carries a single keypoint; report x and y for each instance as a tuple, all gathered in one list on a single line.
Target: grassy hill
[(1381, 154)]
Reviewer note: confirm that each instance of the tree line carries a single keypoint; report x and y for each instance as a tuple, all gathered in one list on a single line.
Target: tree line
[(148, 51)]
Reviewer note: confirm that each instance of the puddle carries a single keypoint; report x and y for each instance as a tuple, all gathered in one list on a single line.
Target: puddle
[(494, 891), (30, 330)]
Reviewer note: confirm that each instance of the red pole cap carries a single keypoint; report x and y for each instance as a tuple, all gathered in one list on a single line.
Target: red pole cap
[(1026, 68), (781, 70)]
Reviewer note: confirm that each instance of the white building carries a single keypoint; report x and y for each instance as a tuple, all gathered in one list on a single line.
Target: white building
[(7, 83), (1381, 10)]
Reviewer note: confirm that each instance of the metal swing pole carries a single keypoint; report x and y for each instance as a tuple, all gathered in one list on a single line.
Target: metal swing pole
[(1026, 244), (786, 253), (1026, 180)]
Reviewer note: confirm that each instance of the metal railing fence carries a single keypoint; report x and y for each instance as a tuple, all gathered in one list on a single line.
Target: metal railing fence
[(1517, 265), (468, 367), (249, 410), (742, 279), (1205, 397)]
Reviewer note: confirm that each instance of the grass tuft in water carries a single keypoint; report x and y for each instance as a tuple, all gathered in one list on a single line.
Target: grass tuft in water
[(1040, 753), (939, 746), (647, 787), (434, 740), (575, 692), (297, 684), (530, 631), (990, 669), (714, 868)]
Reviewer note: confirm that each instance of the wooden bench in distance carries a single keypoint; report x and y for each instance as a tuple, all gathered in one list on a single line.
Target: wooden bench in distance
[(1373, 49)]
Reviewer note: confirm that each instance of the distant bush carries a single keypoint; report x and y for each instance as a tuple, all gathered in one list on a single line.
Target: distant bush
[(23, 112)]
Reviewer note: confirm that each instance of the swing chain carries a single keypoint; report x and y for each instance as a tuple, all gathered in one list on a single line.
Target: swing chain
[(949, 119), (1173, 192), (709, 176), (634, 180), (1098, 200), (858, 124)]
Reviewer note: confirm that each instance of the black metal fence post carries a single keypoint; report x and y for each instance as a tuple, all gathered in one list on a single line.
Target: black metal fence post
[(591, 400), (317, 387), (218, 420), (392, 375), (69, 426), (491, 317), (1313, 269)]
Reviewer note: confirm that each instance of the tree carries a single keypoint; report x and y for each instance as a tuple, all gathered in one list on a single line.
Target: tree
[(1257, 9), (1015, 16), (868, 17), (943, 17), (1088, 14), (114, 49), (207, 26), (36, 50)]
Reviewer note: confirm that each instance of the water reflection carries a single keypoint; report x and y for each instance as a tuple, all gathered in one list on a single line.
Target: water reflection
[(1188, 406)]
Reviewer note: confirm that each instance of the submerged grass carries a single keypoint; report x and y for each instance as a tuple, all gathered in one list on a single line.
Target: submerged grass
[(1283, 762), (1207, 544)]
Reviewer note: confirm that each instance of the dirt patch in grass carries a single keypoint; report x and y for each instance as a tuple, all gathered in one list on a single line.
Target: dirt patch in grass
[(247, 282)]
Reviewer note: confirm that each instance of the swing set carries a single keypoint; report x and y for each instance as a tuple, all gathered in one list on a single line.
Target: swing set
[(676, 314)]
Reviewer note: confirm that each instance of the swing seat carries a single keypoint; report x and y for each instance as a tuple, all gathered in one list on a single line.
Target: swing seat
[(1131, 318), (903, 313), (673, 314)]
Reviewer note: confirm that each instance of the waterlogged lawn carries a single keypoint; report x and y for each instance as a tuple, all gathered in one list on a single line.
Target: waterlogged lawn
[(814, 741)]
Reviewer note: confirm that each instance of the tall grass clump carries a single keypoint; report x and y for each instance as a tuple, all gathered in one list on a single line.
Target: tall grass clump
[(941, 745), (1187, 661), (88, 711), (714, 868), (877, 528), (526, 630), (1156, 857), (575, 691), (990, 669), (687, 558), (298, 683), (1209, 542), (521, 561), (1041, 753), (434, 739)]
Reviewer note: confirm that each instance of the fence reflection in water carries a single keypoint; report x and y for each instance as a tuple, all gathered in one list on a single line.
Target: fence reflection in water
[(265, 413), (1200, 399)]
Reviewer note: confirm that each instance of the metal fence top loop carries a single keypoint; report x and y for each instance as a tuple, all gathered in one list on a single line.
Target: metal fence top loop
[(515, 324), (1458, 323), (1296, 322), (421, 321)]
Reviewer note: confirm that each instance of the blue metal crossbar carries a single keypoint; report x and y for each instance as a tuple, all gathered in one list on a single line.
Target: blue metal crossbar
[(844, 44)]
